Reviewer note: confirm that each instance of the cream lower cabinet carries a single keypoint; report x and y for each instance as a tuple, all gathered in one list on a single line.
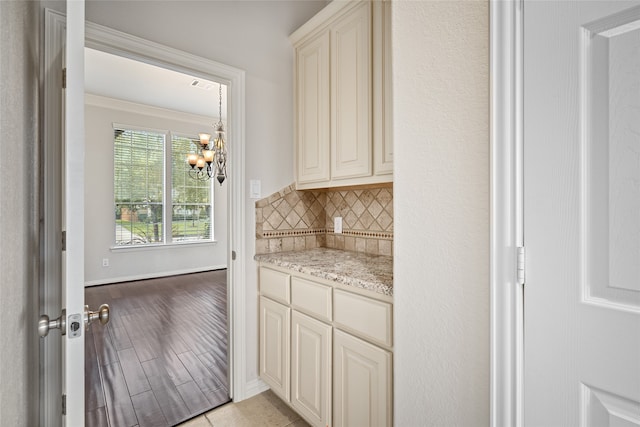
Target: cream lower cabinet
[(311, 368), (275, 347), (361, 383), (326, 351)]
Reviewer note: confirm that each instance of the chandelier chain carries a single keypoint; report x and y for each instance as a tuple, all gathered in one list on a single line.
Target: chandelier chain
[(220, 103)]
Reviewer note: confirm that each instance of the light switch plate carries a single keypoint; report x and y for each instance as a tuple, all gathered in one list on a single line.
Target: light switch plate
[(337, 225), (255, 191)]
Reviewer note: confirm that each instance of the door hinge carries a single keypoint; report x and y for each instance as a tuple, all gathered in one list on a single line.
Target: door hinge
[(64, 404), (520, 265), (64, 78), (233, 255), (64, 240)]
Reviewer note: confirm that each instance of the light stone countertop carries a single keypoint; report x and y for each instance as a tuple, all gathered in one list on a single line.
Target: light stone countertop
[(371, 272)]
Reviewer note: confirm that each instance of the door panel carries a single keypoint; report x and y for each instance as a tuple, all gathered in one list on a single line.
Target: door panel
[(582, 213), (362, 384), (312, 133), (275, 346), (73, 215), (351, 94), (611, 163), (311, 368)]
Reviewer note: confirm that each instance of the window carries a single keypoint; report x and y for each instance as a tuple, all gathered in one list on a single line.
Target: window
[(191, 198), (138, 186), (143, 180)]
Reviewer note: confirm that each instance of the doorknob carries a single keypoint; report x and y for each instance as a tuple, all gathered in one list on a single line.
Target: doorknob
[(44, 324), (102, 314)]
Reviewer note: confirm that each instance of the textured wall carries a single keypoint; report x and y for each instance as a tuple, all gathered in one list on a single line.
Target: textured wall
[(19, 212), (441, 273)]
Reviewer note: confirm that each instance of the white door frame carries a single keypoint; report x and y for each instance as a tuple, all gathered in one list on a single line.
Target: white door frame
[(507, 303), (115, 42)]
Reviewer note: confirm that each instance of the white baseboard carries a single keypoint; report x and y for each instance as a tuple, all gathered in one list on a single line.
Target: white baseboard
[(151, 275), (255, 387)]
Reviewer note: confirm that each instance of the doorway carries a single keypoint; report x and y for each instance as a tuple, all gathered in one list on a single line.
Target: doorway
[(105, 39), (161, 358)]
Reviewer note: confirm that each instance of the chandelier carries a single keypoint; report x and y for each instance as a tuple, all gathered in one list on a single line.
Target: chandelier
[(212, 159)]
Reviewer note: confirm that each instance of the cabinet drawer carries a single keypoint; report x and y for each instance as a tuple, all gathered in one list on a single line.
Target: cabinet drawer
[(311, 297), (366, 317), (275, 285)]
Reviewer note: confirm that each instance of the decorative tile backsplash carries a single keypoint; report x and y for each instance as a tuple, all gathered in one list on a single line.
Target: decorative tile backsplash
[(295, 219), (367, 219)]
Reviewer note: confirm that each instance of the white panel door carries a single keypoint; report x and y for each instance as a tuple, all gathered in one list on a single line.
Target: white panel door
[(311, 368), (73, 216), (351, 101), (582, 213), (275, 346)]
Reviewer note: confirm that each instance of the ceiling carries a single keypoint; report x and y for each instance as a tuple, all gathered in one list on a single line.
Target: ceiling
[(130, 80)]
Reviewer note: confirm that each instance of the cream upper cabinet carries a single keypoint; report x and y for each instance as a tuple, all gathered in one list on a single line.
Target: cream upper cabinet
[(351, 106), (342, 96), (382, 101), (312, 116)]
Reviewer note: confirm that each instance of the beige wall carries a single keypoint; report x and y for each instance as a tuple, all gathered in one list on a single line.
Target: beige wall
[(138, 263), (19, 212), (441, 271)]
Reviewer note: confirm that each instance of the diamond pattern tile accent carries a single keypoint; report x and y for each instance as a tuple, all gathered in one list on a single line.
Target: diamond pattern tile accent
[(367, 197), (350, 220), (351, 198), (275, 219), (358, 208), (367, 220), (293, 219), (385, 221)]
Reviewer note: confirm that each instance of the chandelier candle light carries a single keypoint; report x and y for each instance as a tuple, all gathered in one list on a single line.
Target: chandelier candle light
[(213, 154)]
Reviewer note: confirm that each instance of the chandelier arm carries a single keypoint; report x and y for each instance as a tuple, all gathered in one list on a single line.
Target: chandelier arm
[(198, 174)]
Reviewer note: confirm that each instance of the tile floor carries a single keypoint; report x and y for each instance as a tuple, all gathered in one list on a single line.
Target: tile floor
[(265, 409)]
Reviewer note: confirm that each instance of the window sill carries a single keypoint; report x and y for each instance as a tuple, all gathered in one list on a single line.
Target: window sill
[(157, 246)]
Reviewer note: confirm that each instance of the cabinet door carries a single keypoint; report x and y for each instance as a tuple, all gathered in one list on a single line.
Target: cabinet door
[(351, 94), (311, 369), (275, 346), (382, 97), (312, 106), (362, 383)]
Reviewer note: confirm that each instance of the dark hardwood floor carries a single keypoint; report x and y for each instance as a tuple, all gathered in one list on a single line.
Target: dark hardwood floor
[(162, 358)]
